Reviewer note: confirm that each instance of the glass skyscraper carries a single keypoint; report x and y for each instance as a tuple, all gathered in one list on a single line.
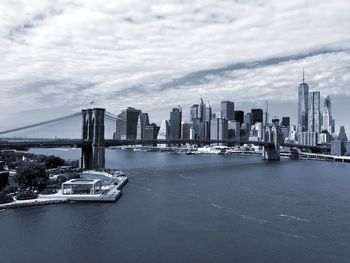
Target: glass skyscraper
[(303, 106), (175, 123), (314, 116), (227, 110)]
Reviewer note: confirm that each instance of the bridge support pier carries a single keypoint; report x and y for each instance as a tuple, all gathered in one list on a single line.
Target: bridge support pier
[(93, 134), (271, 149), (271, 153)]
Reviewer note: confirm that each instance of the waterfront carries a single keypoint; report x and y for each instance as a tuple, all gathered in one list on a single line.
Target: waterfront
[(196, 208)]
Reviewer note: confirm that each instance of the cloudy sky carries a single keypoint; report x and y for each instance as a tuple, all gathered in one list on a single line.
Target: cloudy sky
[(57, 56)]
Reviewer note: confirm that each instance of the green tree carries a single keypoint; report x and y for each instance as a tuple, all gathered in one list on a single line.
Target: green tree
[(53, 162), (31, 174)]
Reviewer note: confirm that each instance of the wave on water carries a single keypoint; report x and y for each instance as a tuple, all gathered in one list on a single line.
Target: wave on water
[(185, 177), (291, 217), (217, 206), (292, 235)]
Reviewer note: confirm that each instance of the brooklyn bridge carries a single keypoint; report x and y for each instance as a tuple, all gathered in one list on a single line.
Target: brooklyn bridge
[(92, 139)]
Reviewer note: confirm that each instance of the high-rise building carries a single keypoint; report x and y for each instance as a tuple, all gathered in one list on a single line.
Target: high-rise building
[(164, 130), (238, 116), (285, 127), (234, 130), (219, 129), (303, 105), (248, 118), (186, 130), (194, 113), (342, 134), (175, 123), (142, 122), (227, 110), (307, 138), (257, 115), (285, 122), (126, 124), (328, 121), (201, 113), (150, 132), (314, 116), (208, 113)]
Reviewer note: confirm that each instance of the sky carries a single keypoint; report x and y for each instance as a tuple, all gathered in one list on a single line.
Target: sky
[(57, 56)]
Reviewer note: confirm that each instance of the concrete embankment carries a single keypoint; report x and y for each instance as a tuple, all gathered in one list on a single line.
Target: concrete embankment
[(31, 202)]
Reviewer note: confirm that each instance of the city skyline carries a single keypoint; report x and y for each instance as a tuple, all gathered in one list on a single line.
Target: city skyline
[(57, 57)]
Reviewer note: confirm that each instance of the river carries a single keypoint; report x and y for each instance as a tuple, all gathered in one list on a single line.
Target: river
[(193, 208)]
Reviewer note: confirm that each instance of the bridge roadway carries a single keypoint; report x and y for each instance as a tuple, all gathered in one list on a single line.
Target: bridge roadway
[(79, 143)]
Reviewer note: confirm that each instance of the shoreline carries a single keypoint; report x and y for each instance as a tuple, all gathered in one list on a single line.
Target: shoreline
[(60, 199), (31, 202)]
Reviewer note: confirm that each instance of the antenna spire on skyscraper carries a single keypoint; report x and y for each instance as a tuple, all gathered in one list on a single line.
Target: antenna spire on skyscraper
[(303, 76)]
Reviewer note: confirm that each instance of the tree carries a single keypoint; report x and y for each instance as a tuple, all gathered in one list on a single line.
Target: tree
[(31, 174), (53, 162)]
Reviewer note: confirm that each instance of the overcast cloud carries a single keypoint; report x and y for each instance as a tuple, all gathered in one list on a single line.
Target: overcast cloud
[(56, 56)]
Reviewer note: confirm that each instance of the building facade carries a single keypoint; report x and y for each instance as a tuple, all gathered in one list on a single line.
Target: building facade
[(227, 110)]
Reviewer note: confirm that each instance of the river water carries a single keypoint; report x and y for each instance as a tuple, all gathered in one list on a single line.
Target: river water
[(193, 208)]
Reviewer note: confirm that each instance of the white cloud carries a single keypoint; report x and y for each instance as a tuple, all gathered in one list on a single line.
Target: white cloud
[(152, 54)]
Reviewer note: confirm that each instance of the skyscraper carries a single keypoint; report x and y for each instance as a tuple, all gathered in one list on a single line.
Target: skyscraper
[(342, 135), (257, 116), (126, 125), (248, 118), (142, 122), (227, 110), (328, 122), (239, 116), (194, 113), (201, 113), (314, 116), (175, 123), (303, 105), (164, 130), (219, 129)]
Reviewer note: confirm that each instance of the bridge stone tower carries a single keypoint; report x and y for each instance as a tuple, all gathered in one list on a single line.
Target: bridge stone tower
[(272, 139), (93, 135)]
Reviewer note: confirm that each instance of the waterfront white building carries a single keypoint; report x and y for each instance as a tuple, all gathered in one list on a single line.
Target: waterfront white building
[(81, 186)]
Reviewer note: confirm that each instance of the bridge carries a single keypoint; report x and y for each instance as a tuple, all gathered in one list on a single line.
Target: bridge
[(93, 135)]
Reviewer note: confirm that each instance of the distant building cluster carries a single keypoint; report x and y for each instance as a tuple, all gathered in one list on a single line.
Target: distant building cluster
[(314, 127)]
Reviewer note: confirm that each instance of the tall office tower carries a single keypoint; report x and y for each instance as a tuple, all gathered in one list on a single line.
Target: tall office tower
[(238, 116), (327, 116), (227, 110), (257, 116), (186, 130), (285, 127), (333, 126), (126, 125), (201, 113), (234, 130), (303, 105), (248, 118), (285, 121), (342, 135), (208, 113), (142, 122), (219, 129), (164, 130), (175, 123), (314, 116), (194, 113)]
